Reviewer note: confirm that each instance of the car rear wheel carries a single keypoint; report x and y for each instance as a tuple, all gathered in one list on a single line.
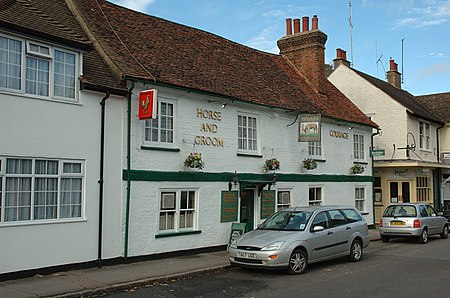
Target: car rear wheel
[(423, 238), (444, 234), (356, 251), (385, 238), (298, 262)]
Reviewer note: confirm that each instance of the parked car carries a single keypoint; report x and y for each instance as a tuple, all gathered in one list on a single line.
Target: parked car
[(293, 238), (417, 220)]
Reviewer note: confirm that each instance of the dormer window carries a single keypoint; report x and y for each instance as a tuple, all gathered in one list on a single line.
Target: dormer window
[(38, 69)]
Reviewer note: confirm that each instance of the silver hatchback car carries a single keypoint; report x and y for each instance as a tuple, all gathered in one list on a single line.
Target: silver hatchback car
[(293, 238), (417, 220)]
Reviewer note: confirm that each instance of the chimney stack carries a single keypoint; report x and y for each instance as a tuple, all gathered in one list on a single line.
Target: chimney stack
[(393, 76), (341, 58), (306, 51)]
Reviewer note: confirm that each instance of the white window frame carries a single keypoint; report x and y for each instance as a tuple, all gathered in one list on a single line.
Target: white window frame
[(146, 125), (246, 139), (314, 147), (424, 136), (316, 202), (423, 192), (26, 51), (33, 176), (284, 192), (360, 198), (177, 210), (359, 153)]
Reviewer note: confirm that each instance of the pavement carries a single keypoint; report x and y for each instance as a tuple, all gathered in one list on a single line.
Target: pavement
[(96, 281)]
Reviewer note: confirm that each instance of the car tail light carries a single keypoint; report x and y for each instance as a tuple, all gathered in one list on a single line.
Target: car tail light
[(416, 223), (381, 222)]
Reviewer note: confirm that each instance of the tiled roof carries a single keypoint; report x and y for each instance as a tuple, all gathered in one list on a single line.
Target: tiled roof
[(150, 48), (401, 96), (52, 21), (438, 103)]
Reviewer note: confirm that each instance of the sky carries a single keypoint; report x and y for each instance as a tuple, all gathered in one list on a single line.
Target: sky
[(416, 34)]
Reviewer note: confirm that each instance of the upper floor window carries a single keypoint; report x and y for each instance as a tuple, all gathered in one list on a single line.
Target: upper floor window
[(161, 130), (358, 146), (315, 149), (247, 133), (32, 68), (40, 189), (424, 136)]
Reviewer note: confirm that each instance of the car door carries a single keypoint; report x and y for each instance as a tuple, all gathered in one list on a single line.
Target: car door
[(435, 222), (321, 242), (342, 231)]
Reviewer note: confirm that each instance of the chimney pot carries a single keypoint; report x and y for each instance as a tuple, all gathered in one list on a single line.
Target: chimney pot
[(288, 26), (305, 24), (338, 53), (315, 23), (344, 55), (296, 26), (393, 65)]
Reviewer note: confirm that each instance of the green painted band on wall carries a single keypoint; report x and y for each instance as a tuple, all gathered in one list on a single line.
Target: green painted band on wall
[(144, 175)]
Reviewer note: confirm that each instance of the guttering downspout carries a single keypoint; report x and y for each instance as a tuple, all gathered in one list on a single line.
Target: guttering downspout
[(438, 175), (373, 177), (127, 208), (100, 180)]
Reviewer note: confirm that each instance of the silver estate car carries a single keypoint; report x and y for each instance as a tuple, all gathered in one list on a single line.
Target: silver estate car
[(412, 220), (295, 237)]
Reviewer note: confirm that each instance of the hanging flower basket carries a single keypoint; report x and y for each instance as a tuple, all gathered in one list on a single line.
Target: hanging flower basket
[(309, 164), (271, 164), (357, 169), (194, 161)]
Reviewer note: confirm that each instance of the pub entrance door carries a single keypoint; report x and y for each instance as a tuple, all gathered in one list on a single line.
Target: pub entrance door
[(247, 209)]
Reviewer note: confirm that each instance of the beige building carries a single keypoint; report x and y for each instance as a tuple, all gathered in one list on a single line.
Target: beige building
[(406, 149)]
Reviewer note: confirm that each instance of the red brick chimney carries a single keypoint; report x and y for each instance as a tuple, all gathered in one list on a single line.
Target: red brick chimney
[(341, 58), (393, 76), (306, 50)]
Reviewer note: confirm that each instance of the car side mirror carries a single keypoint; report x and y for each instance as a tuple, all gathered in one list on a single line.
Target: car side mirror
[(318, 228)]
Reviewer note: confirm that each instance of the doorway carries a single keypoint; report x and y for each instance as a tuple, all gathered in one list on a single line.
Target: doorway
[(399, 191), (247, 208)]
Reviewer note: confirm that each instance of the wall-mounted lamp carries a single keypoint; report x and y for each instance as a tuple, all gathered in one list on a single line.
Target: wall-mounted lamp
[(234, 181), (224, 105), (350, 127)]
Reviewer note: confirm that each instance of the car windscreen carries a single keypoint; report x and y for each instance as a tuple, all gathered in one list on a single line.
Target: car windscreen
[(400, 211), (286, 221)]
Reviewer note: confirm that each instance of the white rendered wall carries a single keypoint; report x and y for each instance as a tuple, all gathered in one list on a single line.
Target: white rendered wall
[(48, 129), (274, 132)]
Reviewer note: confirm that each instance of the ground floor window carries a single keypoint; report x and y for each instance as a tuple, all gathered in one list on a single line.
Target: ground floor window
[(315, 196), (377, 189), (283, 200), (36, 189), (423, 189), (177, 210), (360, 198)]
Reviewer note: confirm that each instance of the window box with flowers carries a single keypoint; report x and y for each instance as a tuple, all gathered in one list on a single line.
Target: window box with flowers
[(271, 164), (357, 169), (194, 161), (309, 164)]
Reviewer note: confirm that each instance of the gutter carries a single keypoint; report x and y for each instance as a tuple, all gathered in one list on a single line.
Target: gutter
[(101, 181), (373, 177), (127, 208)]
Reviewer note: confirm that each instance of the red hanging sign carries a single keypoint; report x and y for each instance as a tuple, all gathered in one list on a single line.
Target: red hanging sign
[(148, 103)]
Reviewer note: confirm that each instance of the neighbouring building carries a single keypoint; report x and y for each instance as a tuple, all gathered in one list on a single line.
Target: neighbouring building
[(51, 85), (407, 167), (439, 104), (235, 107)]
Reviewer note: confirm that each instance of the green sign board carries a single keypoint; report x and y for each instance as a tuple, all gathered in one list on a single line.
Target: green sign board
[(267, 203), (377, 152), (229, 207)]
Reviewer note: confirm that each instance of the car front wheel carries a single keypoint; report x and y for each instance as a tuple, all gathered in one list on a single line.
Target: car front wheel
[(298, 262), (356, 251), (423, 238), (444, 234)]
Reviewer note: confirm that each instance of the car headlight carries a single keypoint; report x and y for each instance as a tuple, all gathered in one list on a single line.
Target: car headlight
[(273, 246)]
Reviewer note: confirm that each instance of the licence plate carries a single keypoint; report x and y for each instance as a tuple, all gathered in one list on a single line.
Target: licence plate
[(397, 223), (246, 255)]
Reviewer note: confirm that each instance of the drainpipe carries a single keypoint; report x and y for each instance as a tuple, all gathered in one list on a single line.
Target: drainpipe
[(127, 208), (100, 181), (373, 178), (438, 175)]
